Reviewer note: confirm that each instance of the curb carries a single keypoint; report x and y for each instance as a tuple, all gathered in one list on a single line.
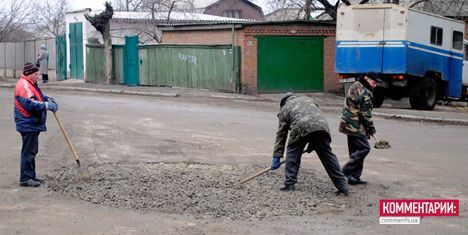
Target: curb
[(173, 95), (99, 90), (413, 118), (239, 98), (112, 91), (7, 85)]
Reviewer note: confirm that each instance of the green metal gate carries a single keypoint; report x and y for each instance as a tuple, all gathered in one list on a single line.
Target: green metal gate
[(76, 51), (131, 61), (61, 57), (290, 64), (214, 67), (96, 66)]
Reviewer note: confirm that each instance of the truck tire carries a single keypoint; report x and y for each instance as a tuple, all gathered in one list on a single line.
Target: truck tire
[(379, 96), (424, 97), (414, 102)]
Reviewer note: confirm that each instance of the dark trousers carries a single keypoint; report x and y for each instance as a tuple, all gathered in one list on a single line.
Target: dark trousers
[(358, 148), (320, 143), (45, 77), (28, 154)]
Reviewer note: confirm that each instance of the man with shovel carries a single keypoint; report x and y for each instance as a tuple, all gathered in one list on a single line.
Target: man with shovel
[(301, 117), (356, 122), (30, 107)]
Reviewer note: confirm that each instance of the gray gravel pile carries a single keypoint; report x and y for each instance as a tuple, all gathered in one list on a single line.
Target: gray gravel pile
[(195, 189)]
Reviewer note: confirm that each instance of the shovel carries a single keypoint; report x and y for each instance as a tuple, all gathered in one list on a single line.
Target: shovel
[(80, 172), (380, 144), (266, 170)]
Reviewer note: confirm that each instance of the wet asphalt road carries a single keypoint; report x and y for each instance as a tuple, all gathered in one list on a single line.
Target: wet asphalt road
[(426, 161)]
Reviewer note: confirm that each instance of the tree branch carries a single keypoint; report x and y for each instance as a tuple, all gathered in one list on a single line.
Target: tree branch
[(416, 3)]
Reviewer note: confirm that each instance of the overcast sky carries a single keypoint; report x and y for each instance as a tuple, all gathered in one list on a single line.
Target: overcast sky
[(99, 4)]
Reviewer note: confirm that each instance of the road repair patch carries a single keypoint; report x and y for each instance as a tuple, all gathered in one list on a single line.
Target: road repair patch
[(200, 190)]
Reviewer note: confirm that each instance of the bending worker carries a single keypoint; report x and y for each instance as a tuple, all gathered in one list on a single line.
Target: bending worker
[(307, 126)]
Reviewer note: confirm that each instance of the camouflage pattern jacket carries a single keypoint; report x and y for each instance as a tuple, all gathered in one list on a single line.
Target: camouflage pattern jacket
[(356, 118), (301, 116)]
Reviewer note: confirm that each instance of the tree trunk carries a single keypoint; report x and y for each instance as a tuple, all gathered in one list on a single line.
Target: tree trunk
[(307, 9), (108, 53)]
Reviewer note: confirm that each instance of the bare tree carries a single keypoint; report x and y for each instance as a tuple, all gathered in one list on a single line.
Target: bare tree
[(304, 8), (50, 18), (14, 16), (166, 7), (449, 8), (102, 24), (127, 5)]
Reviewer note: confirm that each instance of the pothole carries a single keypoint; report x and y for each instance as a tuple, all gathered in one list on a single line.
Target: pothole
[(197, 189)]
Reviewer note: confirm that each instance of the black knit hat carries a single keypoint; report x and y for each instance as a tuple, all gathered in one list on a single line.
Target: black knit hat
[(285, 98), (374, 76), (29, 69)]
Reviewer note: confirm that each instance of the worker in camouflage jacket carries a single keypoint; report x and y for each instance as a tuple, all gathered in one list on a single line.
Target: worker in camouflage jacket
[(301, 117), (356, 122)]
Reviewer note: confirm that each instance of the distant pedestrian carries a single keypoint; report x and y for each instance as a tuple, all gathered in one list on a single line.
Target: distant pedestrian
[(356, 122), (301, 117), (43, 63), (30, 112)]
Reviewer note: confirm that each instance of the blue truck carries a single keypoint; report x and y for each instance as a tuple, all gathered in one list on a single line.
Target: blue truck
[(419, 55)]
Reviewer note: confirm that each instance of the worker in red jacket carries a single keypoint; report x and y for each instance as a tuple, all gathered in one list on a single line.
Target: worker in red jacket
[(31, 107)]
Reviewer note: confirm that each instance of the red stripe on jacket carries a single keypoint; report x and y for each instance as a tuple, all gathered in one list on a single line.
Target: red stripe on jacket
[(26, 89)]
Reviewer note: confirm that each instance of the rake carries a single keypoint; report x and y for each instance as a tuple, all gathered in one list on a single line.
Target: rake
[(80, 172)]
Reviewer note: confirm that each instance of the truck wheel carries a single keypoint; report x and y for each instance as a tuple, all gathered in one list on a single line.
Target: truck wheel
[(379, 96), (414, 102), (425, 97)]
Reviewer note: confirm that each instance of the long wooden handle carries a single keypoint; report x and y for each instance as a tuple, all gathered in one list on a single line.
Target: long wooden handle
[(259, 173), (66, 137), (375, 138)]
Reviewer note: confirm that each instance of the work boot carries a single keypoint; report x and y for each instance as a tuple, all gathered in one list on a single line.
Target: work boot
[(351, 180), (41, 181), (29, 183), (341, 191), (288, 188), (359, 181)]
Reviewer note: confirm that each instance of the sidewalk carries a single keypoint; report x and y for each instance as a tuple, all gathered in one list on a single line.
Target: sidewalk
[(457, 115)]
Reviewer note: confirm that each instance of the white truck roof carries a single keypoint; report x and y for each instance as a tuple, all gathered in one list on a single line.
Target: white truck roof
[(379, 22)]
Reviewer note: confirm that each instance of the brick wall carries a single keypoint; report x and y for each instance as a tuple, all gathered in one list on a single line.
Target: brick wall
[(245, 38), (466, 29), (331, 81), (249, 52), (209, 37)]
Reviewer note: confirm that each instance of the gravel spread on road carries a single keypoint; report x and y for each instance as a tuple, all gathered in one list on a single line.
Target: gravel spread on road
[(200, 190)]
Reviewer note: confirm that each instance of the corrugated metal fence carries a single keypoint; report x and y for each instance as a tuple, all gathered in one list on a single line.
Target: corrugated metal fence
[(214, 67), (13, 55), (96, 67), (206, 67)]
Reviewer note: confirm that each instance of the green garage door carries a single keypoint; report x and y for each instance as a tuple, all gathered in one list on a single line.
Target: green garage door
[(290, 64)]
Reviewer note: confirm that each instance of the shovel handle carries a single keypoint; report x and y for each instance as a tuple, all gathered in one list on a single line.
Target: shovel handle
[(375, 138), (67, 138), (259, 173)]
